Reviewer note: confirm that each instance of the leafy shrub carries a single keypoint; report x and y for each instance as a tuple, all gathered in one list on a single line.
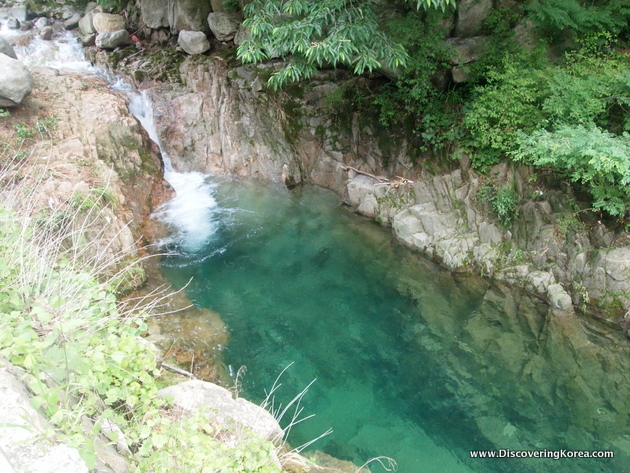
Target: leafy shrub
[(504, 201), (596, 159), (510, 103)]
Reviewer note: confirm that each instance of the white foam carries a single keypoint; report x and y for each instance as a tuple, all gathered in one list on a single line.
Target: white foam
[(193, 211), (64, 53)]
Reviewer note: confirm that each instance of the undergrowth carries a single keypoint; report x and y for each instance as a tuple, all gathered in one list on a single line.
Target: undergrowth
[(84, 363)]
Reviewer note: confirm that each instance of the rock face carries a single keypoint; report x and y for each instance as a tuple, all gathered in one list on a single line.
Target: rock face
[(193, 42), (223, 25), (108, 23), (113, 40), (6, 48), (16, 81), (178, 15), (438, 215), (197, 396)]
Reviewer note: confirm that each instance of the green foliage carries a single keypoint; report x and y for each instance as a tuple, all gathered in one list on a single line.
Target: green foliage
[(510, 103), (82, 359), (556, 16), (596, 159), (4, 113), (504, 201), (316, 34), (22, 131)]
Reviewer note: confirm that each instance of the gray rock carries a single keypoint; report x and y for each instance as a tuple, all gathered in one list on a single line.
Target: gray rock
[(6, 48), (47, 33), (13, 24), (16, 81), (85, 24), (242, 34), (113, 39), (466, 50), (188, 15), (90, 7), (19, 12), (459, 74), (223, 25), (540, 281), (89, 40), (41, 22), (26, 25), (73, 22), (193, 42), (197, 396), (68, 11), (558, 297), (108, 23), (406, 225), (471, 15)]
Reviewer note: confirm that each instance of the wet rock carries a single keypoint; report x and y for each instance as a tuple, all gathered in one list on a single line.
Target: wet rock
[(471, 15), (47, 33), (196, 397), (193, 42), (68, 11), (26, 25), (223, 25), (108, 23), (6, 48), (73, 22), (13, 24), (113, 40), (16, 81), (41, 22)]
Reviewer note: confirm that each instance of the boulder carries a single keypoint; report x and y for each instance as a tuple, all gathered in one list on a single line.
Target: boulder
[(113, 39), (197, 396), (73, 22), (86, 26), (19, 12), (223, 25), (41, 22), (183, 15), (108, 23), (46, 33), (471, 15), (193, 42), (90, 7), (89, 40), (466, 50), (13, 24), (16, 81), (68, 11), (26, 25), (242, 34), (6, 48)]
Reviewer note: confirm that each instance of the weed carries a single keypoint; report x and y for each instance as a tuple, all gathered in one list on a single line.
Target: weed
[(22, 131)]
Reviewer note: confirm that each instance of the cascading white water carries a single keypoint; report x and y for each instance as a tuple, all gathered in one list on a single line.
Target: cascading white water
[(192, 210)]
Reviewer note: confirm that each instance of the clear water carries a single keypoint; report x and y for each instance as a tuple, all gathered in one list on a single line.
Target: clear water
[(410, 361)]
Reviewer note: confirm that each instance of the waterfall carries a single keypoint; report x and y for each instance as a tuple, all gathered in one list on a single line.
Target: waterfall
[(192, 212)]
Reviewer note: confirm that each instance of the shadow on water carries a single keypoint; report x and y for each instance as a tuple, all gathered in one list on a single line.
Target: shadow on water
[(411, 361)]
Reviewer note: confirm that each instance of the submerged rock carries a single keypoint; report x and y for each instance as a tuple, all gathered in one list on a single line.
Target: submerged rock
[(16, 81)]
